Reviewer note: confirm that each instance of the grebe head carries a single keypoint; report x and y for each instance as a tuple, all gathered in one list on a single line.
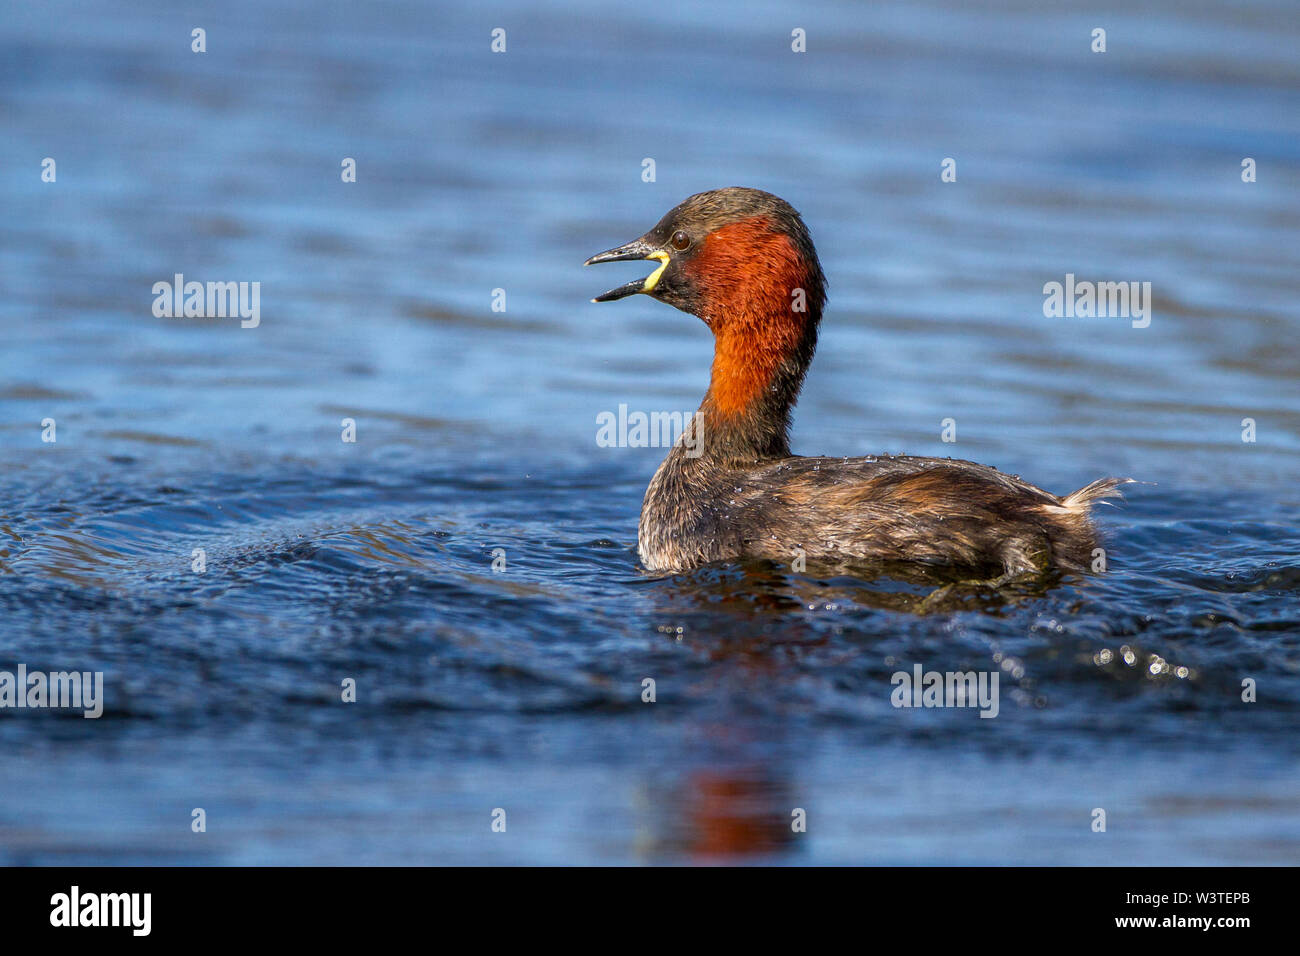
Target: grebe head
[(742, 260), (728, 254)]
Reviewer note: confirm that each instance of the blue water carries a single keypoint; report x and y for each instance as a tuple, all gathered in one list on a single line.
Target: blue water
[(476, 430)]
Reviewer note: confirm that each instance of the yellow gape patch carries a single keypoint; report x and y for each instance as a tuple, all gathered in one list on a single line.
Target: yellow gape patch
[(652, 279)]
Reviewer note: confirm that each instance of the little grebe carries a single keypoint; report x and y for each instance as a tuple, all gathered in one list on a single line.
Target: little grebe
[(742, 260)]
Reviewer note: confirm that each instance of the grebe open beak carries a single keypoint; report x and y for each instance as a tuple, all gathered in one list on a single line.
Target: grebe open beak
[(636, 249)]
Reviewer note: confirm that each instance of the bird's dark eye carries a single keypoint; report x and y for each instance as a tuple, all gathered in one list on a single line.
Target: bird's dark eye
[(681, 241)]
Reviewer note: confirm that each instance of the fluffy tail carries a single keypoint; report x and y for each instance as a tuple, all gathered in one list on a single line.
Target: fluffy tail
[(1080, 501)]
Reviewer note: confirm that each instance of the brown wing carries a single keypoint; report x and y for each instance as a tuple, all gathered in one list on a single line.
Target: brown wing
[(932, 510)]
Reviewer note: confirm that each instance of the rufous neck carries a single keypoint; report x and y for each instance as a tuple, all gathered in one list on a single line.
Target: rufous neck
[(759, 362)]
